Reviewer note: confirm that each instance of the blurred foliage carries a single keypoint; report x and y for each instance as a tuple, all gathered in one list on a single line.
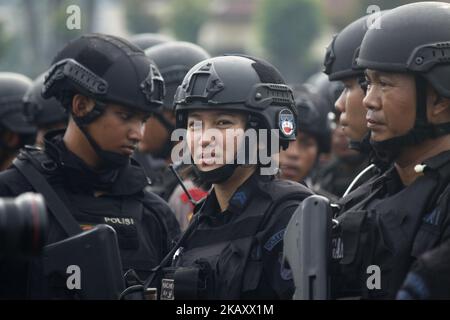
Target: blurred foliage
[(186, 18), (5, 41), (33, 31), (287, 30), (139, 19)]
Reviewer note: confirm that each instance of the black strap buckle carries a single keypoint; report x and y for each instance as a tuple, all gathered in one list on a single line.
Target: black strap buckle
[(153, 86), (330, 56)]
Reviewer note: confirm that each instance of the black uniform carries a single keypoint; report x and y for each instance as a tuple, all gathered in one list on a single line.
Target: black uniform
[(389, 225), (242, 246), (135, 214), (429, 277)]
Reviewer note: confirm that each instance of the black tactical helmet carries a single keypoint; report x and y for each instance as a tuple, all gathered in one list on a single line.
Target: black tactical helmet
[(341, 54), (13, 86), (174, 59), (330, 91), (107, 69), (313, 118), (414, 38), (39, 111), (239, 83), (148, 40)]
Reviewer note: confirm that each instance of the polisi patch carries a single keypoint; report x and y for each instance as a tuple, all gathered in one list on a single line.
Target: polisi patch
[(286, 123)]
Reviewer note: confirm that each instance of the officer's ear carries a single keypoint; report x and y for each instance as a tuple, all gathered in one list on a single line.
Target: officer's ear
[(438, 107), (82, 105)]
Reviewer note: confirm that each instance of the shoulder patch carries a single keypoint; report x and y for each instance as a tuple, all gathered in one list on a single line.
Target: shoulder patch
[(286, 123), (274, 240)]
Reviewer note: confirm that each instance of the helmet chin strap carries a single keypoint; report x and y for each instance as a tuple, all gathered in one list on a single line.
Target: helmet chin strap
[(388, 150), (362, 146), (111, 160), (217, 175)]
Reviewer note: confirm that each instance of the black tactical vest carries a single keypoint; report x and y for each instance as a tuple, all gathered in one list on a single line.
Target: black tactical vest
[(389, 231), (225, 262), (123, 213)]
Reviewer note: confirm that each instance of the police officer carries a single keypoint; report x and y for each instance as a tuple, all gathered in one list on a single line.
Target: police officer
[(15, 131), (335, 171), (45, 114), (233, 247), (109, 87), (313, 138), (402, 214), (174, 59), (340, 65)]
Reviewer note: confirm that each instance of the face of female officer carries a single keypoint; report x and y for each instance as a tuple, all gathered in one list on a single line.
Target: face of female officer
[(214, 136)]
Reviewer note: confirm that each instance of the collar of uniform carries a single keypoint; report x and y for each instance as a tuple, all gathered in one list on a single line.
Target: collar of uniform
[(438, 161), (154, 167), (125, 181), (238, 201), (389, 180), (242, 196), (131, 180)]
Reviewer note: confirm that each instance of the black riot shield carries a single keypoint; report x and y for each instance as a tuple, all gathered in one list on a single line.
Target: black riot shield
[(307, 248), (85, 266)]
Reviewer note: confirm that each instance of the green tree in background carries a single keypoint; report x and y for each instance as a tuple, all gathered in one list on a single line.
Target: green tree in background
[(187, 17), (5, 41), (139, 19), (44, 31), (287, 30)]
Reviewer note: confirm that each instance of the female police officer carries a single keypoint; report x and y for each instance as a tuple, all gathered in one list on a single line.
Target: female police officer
[(232, 250)]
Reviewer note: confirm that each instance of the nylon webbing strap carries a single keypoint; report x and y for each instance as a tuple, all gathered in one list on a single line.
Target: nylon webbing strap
[(53, 202)]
